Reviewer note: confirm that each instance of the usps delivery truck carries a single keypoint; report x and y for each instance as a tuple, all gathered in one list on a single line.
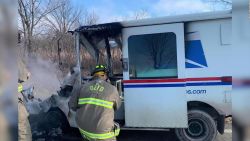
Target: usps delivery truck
[(176, 71)]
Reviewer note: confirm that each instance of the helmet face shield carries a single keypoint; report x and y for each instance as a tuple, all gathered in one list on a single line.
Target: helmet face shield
[(100, 73)]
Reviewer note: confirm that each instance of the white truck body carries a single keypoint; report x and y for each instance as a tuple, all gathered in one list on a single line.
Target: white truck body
[(203, 51), (203, 47), (177, 70)]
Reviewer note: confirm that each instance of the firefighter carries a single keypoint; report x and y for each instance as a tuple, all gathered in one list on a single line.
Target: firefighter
[(24, 131), (4, 126), (95, 103)]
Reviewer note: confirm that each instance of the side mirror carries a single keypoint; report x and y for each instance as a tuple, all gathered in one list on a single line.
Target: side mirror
[(118, 85)]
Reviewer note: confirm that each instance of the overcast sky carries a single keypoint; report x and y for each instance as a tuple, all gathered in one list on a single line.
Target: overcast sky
[(110, 10)]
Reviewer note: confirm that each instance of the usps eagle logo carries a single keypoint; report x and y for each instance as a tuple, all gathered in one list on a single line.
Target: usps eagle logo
[(195, 57)]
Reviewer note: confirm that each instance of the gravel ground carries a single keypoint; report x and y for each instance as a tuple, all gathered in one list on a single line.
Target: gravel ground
[(130, 135), (164, 136), (169, 136), (227, 136), (158, 136)]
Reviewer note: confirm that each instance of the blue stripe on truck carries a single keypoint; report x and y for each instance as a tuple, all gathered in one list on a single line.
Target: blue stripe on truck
[(177, 85)]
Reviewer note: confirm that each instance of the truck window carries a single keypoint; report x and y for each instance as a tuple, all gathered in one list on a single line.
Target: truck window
[(152, 56)]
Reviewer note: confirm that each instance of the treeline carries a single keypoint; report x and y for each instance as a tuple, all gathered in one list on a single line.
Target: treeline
[(43, 32)]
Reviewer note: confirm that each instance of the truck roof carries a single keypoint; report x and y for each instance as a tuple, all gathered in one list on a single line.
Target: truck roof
[(179, 18), (114, 28)]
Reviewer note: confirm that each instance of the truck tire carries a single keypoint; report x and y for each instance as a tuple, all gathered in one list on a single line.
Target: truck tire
[(201, 127)]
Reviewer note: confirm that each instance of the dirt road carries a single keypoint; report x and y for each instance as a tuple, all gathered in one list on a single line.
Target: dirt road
[(169, 136), (227, 136), (151, 136), (165, 136)]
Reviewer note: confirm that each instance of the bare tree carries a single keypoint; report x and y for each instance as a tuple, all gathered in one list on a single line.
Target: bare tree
[(60, 21), (226, 3), (31, 12), (64, 18), (67, 17), (141, 14), (90, 18)]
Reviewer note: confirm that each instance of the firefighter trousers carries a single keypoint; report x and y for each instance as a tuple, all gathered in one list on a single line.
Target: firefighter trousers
[(24, 131)]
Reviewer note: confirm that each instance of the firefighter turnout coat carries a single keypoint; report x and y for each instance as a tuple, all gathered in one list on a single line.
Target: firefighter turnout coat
[(24, 130), (95, 103)]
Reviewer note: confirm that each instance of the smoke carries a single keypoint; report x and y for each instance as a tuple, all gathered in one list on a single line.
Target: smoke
[(45, 77)]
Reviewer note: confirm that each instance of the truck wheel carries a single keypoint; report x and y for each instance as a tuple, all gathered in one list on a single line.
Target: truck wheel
[(201, 127)]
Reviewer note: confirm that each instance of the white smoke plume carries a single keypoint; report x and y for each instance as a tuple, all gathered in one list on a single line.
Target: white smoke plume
[(45, 77)]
